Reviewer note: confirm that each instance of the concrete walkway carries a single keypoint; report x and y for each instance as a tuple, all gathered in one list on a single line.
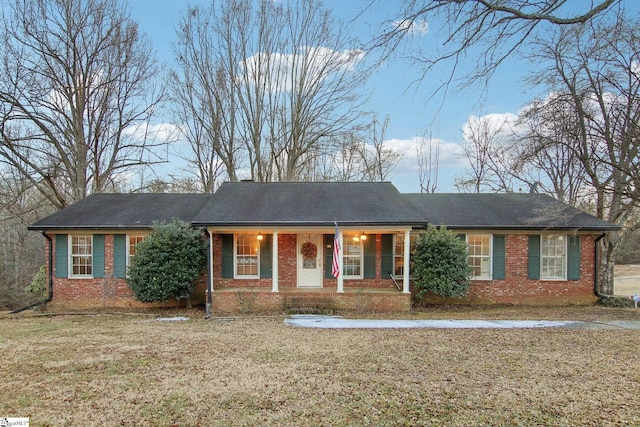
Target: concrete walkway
[(336, 322)]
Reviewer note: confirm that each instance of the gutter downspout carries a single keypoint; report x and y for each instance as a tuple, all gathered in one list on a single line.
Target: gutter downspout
[(50, 278), (209, 275)]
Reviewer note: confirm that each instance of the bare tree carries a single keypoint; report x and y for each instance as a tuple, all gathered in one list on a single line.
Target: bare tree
[(280, 78), (545, 156), (489, 150), (594, 71), (378, 161), (76, 95), (20, 250), (428, 155), (488, 30), (203, 95)]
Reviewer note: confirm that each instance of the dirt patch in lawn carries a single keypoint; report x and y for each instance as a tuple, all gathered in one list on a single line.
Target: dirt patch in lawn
[(132, 370)]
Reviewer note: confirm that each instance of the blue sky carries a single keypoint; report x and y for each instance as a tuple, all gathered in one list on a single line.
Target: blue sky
[(412, 115)]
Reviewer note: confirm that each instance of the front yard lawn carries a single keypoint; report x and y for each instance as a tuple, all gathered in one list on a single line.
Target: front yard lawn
[(123, 369)]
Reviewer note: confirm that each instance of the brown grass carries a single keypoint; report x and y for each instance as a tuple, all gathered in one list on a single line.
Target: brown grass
[(131, 370)]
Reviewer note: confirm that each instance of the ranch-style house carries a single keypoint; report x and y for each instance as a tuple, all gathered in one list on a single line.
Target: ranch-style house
[(326, 245)]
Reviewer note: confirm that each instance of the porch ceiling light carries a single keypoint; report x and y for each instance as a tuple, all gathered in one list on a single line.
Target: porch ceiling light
[(363, 236), (260, 237)]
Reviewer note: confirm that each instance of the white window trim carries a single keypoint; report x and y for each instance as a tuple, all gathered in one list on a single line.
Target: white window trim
[(349, 237), (490, 236), (565, 260), (235, 259), (128, 260), (395, 255), (70, 257)]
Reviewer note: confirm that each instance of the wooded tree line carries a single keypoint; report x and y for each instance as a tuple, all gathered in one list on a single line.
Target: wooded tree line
[(275, 91)]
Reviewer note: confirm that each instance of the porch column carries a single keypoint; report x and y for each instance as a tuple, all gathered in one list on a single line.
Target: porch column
[(407, 257), (341, 275), (274, 263), (209, 295)]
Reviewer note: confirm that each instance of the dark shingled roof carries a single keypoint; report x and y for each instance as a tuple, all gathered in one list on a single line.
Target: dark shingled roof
[(308, 203), (503, 211), (124, 211), (320, 204)]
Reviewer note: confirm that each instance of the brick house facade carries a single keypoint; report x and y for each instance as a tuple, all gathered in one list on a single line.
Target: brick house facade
[(256, 231)]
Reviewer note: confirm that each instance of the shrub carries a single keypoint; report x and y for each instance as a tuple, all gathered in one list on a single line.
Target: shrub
[(38, 286), (441, 263), (167, 262)]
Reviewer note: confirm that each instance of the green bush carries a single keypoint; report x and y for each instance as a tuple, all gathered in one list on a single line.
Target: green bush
[(167, 262), (38, 286), (441, 263)]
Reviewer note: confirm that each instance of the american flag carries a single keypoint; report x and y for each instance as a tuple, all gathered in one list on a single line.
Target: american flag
[(335, 265)]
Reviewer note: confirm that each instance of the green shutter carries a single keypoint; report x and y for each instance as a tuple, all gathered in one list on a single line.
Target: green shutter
[(98, 256), (534, 257), (386, 261), (573, 260), (328, 255), (266, 257), (462, 237), (370, 257), (120, 255), (62, 256), (227, 256), (499, 258)]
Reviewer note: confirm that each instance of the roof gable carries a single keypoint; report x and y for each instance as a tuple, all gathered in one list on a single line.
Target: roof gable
[(308, 203)]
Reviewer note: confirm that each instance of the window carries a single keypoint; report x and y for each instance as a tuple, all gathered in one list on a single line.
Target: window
[(81, 251), (479, 255), (352, 257), (398, 253), (133, 241), (553, 257), (246, 259)]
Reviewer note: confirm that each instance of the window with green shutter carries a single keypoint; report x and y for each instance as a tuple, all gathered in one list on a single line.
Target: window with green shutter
[(573, 260), (370, 257), (499, 257), (387, 258), (98, 256), (227, 255), (120, 255), (266, 257), (62, 256), (534, 257)]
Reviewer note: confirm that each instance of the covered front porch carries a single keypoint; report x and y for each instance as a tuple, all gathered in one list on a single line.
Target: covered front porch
[(288, 268)]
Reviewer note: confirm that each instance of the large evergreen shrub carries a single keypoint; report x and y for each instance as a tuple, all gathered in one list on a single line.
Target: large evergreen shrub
[(167, 262), (441, 263)]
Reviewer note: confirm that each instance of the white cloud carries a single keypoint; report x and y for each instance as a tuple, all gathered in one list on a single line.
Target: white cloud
[(406, 175), (491, 125), (157, 133), (450, 153), (416, 28), (310, 63)]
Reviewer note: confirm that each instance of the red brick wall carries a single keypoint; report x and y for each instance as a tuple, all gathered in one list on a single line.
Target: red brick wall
[(108, 291), (515, 289), (518, 289), (288, 269)]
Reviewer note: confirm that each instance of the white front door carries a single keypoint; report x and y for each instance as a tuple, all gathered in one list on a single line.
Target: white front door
[(310, 256)]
